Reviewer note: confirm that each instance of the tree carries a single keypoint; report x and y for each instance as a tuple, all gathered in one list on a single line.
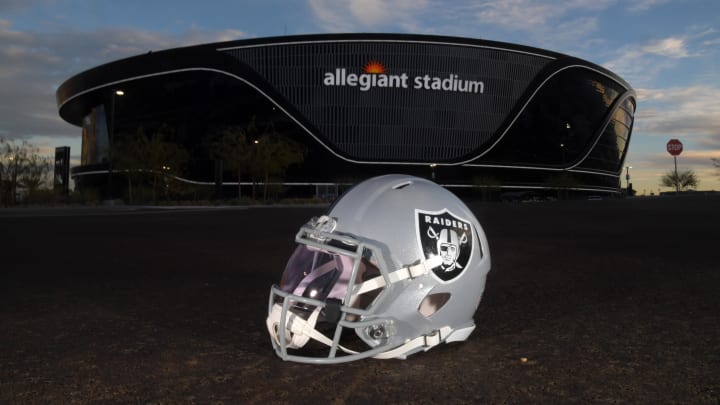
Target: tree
[(162, 159), (716, 163), (10, 158), (680, 181), (272, 155), (35, 175), (127, 157), (152, 156), (233, 149), (21, 166)]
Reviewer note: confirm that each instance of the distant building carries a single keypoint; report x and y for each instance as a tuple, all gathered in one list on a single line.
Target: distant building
[(465, 112)]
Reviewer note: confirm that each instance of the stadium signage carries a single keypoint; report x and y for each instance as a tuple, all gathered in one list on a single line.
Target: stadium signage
[(374, 76)]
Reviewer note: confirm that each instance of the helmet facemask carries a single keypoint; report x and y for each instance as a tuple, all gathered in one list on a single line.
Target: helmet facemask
[(329, 286)]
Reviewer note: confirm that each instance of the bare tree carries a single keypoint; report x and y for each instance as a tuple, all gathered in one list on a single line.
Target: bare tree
[(36, 173), (22, 167), (680, 181), (9, 170)]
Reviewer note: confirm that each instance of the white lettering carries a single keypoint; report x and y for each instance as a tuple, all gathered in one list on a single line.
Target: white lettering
[(329, 79), (351, 79), (367, 81), (446, 222)]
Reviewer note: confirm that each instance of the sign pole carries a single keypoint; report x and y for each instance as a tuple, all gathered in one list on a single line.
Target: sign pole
[(675, 147), (677, 181)]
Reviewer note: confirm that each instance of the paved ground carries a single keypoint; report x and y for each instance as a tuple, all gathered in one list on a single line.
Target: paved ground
[(609, 301)]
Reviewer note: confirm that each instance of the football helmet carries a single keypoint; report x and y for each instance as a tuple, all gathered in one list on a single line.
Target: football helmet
[(397, 266)]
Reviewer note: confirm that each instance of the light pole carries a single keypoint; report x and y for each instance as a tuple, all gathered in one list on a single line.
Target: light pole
[(627, 178), (110, 139)]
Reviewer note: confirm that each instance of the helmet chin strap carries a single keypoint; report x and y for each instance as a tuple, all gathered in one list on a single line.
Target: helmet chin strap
[(424, 342), (301, 331), (297, 329)]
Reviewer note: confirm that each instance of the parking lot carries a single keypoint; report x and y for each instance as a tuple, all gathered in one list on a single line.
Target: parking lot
[(586, 302)]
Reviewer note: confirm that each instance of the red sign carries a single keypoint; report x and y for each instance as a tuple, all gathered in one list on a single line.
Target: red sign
[(674, 147)]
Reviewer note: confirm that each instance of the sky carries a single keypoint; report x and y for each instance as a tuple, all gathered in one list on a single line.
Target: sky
[(668, 50)]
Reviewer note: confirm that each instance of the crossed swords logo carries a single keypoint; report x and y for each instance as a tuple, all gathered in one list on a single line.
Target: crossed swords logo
[(448, 247)]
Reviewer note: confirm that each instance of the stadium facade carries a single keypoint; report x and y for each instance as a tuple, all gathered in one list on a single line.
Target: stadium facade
[(466, 112)]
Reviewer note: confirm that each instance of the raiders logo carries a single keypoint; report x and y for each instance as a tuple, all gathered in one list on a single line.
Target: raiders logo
[(446, 235)]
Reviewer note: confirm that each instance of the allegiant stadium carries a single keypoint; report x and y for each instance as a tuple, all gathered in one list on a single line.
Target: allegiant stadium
[(467, 113)]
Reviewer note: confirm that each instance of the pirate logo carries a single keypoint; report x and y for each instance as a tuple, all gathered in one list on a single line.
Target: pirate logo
[(448, 236)]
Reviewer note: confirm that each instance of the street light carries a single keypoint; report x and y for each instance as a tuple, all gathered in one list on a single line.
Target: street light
[(627, 178), (116, 93)]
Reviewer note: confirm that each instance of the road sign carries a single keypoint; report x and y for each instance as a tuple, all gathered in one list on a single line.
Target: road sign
[(674, 147)]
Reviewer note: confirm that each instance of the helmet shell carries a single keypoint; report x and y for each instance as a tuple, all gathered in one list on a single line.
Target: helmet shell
[(399, 214)]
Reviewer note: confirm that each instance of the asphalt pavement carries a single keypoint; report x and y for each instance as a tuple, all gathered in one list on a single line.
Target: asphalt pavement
[(587, 302)]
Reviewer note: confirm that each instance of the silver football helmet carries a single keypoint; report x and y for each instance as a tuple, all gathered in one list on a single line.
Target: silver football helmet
[(397, 266)]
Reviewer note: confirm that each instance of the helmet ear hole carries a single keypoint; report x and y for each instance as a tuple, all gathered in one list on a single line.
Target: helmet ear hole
[(432, 303)]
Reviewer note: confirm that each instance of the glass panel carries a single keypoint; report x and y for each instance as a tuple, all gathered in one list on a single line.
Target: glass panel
[(560, 123), (95, 137)]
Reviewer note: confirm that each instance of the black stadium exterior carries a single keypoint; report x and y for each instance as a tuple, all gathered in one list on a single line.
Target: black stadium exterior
[(465, 112)]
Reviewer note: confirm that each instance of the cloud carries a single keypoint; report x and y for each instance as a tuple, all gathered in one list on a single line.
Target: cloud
[(533, 16), (642, 64), (673, 47), (692, 110), (516, 14), (645, 5), (570, 26), (461, 18), (354, 15), (34, 64), (691, 114), (634, 65), (563, 26)]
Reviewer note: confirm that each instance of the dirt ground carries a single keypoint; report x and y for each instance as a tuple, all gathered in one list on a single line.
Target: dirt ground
[(607, 301)]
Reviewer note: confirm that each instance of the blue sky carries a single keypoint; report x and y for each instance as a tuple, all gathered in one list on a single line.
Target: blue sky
[(668, 50)]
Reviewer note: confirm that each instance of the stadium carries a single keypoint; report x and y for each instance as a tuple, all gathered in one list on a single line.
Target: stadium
[(468, 113)]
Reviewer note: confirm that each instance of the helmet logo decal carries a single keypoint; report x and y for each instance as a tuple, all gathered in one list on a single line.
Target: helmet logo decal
[(444, 234)]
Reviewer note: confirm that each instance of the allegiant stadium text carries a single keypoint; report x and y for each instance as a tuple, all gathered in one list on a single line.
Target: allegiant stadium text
[(367, 81)]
